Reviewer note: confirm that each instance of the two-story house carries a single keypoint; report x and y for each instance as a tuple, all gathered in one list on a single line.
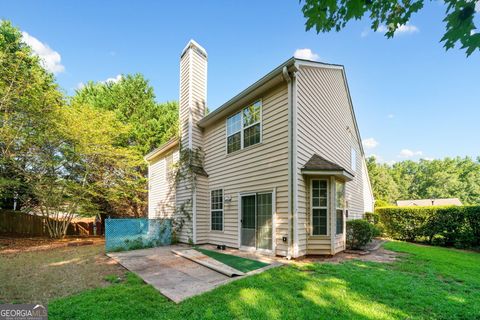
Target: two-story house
[(278, 168)]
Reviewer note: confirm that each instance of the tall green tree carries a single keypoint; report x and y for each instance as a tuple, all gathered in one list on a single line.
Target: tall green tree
[(150, 124), (28, 97), (133, 101), (460, 28)]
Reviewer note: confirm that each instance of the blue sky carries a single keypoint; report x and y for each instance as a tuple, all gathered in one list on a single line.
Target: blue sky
[(412, 99)]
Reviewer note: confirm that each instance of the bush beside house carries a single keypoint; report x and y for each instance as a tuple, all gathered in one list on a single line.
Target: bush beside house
[(359, 233), (457, 226)]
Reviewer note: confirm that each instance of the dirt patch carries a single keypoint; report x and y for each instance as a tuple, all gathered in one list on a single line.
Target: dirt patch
[(50, 269), (374, 252), (18, 244)]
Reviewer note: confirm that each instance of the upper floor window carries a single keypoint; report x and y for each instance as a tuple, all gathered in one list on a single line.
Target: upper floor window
[(244, 127)]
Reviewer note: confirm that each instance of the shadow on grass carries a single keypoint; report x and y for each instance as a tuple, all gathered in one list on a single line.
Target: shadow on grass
[(351, 290)]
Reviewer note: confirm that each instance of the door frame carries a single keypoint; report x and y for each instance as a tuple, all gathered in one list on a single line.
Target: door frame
[(274, 214)]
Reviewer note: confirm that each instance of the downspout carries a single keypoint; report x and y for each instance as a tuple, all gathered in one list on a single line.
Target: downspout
[(291, 205)]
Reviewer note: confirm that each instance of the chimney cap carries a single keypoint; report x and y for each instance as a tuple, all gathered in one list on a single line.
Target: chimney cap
[(194, 44)]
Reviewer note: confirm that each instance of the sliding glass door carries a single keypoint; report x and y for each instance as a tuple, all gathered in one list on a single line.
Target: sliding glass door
[(256, 220)]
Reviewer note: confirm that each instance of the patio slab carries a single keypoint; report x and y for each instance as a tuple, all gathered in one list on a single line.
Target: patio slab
[(175, 277)]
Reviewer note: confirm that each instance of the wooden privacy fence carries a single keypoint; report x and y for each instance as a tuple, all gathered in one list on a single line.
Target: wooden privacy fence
[(20, 223), (15, 222)]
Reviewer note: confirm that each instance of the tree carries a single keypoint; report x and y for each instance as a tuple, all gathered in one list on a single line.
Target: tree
[(76, 161), (149, 124), (384, 186), (327, 15), (60, 159), (426, 179), (133, 101), (28, 97)]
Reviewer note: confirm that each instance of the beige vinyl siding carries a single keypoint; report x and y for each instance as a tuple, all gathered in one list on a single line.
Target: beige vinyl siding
[(325, 126), (193, 73), (161, 189), (203, 209), (199, 92), (184, 99), (193, 76), (318, 245), (339, 243), (260, 167)]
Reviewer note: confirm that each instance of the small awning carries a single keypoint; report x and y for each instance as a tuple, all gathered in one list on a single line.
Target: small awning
[(319, 166)]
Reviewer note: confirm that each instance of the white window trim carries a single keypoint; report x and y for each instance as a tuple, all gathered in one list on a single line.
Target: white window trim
[(223, 210), (242, 128), (337, 208), (274, 214), (318, 207)]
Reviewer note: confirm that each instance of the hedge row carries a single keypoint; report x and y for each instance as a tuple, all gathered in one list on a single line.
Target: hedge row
[(449, 226)]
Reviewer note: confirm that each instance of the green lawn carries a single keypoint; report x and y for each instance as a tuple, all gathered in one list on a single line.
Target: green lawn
[(427, 283), (239, 263)]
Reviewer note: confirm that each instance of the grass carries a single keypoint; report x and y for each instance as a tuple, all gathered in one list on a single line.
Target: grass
[(239, 263), (38, 276), (427, 283)]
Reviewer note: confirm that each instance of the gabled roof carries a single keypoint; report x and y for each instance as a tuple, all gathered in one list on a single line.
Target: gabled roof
[(268, 81), (318, 165), (172, 143)]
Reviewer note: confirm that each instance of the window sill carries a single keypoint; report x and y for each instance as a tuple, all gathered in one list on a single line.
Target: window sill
[(319, 237)]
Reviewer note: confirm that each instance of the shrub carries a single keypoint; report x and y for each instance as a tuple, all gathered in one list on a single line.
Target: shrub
[(457, 226), (359, 233)]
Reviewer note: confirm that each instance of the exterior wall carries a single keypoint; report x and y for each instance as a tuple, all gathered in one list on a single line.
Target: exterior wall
[(325, 126), (261, 167), (192, 105), (202, 205), (161, 191)]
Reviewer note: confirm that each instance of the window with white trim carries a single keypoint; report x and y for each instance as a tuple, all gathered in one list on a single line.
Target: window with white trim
[(339, 205), (244, 127), (216, 210), (319, 209)]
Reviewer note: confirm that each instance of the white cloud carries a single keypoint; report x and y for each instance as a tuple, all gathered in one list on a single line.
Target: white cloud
[(80, 86), (428, 158), (51, 59), (477, 6), (407, 153), (113, 80), (403, 29), (365, 32), (390, 116), (306, 54), (369, 143)]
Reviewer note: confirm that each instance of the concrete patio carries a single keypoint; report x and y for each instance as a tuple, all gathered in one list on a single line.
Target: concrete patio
[(176, 277)]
